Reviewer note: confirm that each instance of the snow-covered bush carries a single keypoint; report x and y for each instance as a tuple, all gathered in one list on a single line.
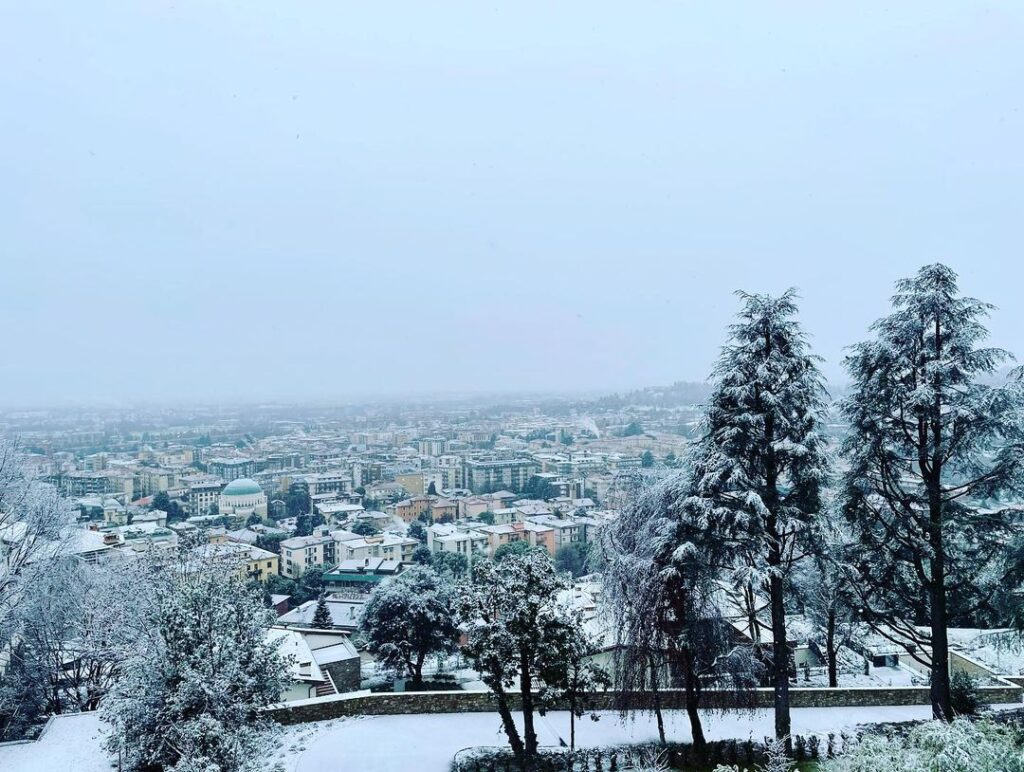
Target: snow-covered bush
[(963, 693), (959, 746), (777, 760), (188, 695), (646, 760)]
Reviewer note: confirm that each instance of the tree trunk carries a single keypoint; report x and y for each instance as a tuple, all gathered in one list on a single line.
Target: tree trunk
[(509, 725), (830, 650), (942, 707), (941, 703), (656, 698), (780, 661), (572, 726), (417, 671), (777, 600), (529, 733), (692, 703)]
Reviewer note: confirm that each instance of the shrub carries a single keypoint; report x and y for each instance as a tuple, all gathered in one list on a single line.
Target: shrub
[(963, 694), (959, 746)]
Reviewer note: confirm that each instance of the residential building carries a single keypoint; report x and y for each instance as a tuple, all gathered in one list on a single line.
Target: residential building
[(383, 545), (533, 534), (203, 494), (231, 468), (363, 575), (481, 476), (253, 562), (344, 611), (302, 552), (449, 537), (565, 531)]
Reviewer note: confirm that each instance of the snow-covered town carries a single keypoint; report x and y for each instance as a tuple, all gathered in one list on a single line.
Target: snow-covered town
[(511, 387), (700, 574)]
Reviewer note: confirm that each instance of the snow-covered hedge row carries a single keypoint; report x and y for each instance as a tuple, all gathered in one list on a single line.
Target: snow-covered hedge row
[(674, 755), (959, 746)]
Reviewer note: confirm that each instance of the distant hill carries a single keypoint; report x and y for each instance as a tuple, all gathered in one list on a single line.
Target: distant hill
[(677, 394)]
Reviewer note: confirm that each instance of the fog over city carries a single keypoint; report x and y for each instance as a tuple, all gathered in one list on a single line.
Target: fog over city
[(270, 200)]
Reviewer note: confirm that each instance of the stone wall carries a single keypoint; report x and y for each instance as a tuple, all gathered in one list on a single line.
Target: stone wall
[(345, 674), (366, 704)]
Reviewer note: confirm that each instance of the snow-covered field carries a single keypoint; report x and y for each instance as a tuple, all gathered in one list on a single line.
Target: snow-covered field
[(427, 743)]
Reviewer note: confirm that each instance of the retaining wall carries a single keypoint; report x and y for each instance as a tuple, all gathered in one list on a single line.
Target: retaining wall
[(367, 704)]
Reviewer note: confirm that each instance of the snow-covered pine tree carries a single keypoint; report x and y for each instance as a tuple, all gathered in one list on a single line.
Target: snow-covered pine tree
[(929, 440), (408, 618), (322, 614), (760, 463), (188, 697)]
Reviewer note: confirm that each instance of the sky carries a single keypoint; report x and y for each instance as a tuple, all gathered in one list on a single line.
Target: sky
[(303, 199)]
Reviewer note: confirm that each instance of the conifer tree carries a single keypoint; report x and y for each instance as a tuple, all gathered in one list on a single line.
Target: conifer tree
[(931, 444), (760, 463), (322, 615)]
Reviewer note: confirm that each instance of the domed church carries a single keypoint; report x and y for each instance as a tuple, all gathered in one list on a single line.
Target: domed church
[(242, 497)]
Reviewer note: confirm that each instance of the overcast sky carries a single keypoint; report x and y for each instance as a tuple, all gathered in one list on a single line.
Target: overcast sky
[(211, 200)]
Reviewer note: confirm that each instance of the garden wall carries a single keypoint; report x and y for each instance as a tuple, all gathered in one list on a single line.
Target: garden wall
[(367, 704)]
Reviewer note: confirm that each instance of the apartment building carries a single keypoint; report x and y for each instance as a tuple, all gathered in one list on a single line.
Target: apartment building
[(153, 481), (253, 562), (533, 534), (565, 531), (482, 476), (411, 509), (231, 468), (203, 494), (434, 506), (432, 446), (386, 545), (302, 552), (449, 537)]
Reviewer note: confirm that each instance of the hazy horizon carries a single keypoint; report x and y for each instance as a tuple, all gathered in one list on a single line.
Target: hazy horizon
[(258, 201)]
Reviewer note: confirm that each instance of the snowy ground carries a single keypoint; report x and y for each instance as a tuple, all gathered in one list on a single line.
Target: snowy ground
[(880, 676), (427, 743), (70, 744)]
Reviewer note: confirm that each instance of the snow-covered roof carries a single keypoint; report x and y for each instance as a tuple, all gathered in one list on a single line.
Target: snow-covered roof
[(292, 645), (345, 612)]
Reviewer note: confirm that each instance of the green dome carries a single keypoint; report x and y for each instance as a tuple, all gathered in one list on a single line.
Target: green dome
[(242, 487)]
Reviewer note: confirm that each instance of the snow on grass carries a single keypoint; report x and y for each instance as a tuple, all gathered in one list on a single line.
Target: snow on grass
[(428, 742)]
